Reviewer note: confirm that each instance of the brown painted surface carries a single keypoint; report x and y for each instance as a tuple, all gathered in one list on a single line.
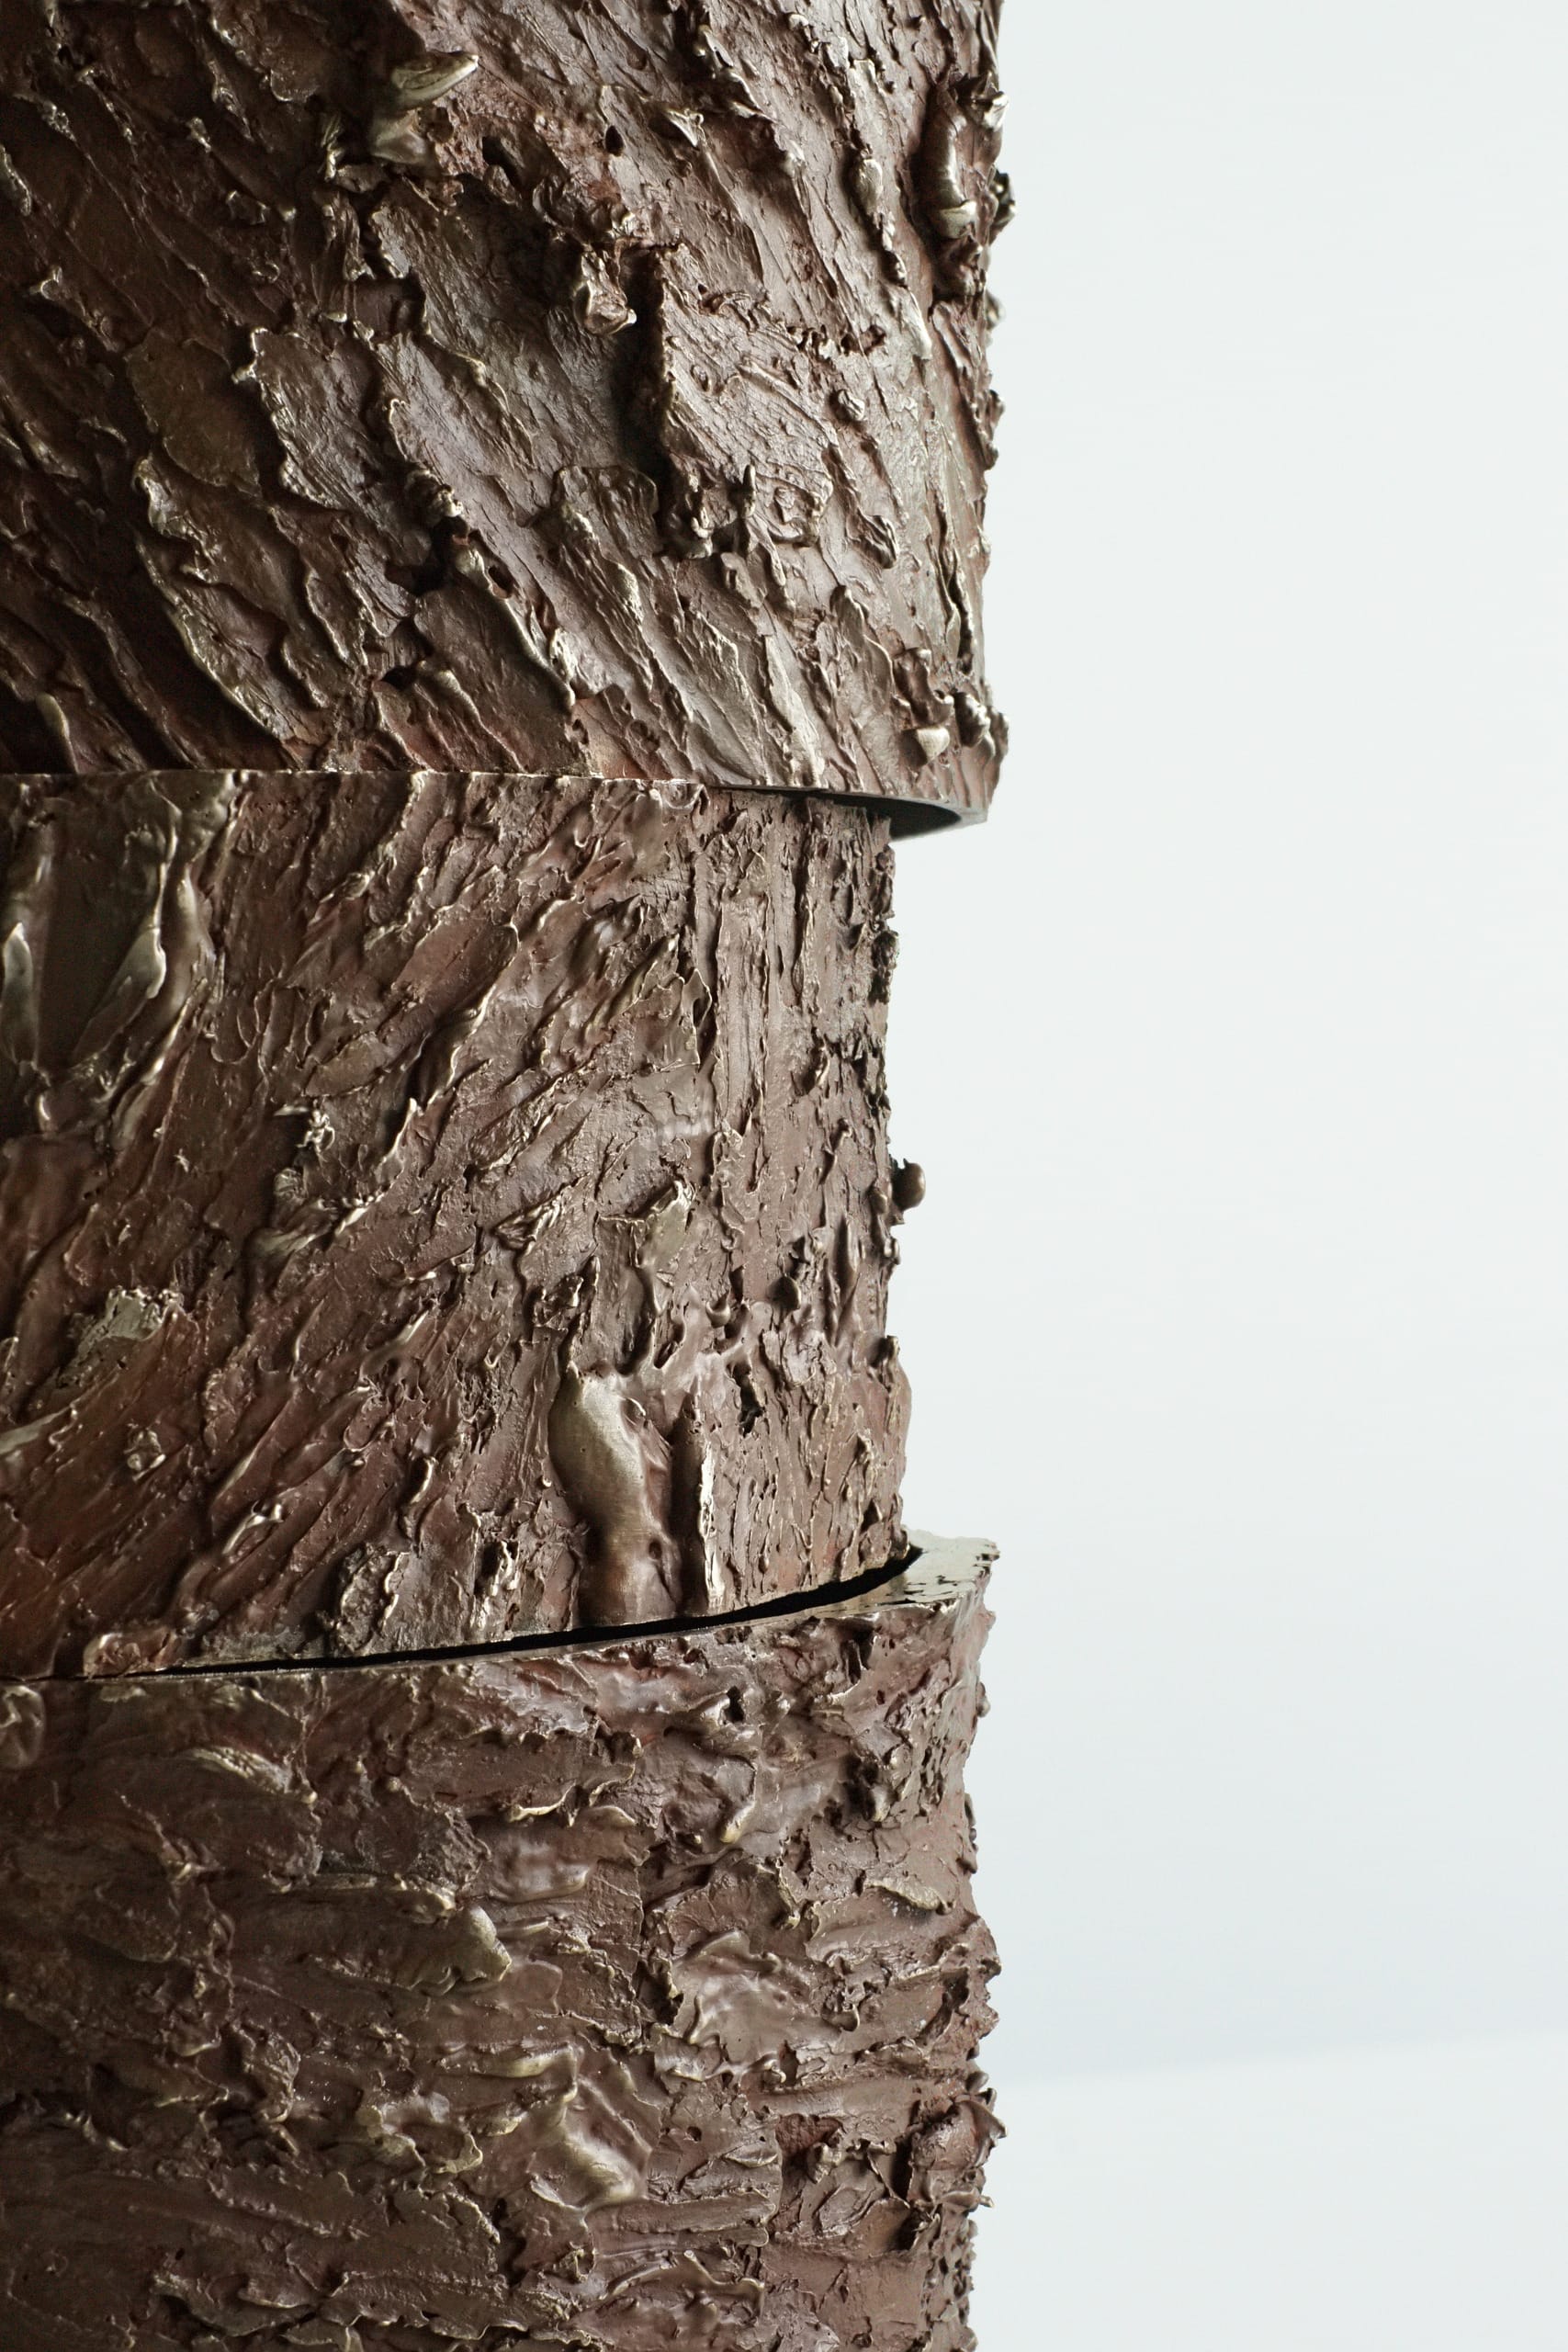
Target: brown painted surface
[(588, 384), (434, 1209), (622, 1996), (490, 502)]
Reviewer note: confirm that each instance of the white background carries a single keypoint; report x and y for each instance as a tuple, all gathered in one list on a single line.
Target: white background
[(1234, 1049)]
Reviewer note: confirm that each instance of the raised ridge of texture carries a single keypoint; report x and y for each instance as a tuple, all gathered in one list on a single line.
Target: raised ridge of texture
[(620, 1995), (433, 1208), (589, 384)]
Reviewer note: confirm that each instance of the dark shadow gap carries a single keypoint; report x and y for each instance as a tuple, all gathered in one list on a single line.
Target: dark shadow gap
[(789, 1605)]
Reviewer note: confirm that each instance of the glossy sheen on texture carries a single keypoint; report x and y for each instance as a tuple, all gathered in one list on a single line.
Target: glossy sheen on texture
[(623, 1996), (542, 384), (435, 1208)]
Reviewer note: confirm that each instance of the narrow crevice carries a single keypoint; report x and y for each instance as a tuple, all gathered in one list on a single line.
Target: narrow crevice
[(905, 818), (576, 1637)]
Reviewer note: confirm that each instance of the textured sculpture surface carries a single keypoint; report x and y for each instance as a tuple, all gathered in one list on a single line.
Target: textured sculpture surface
[(490, 543), (618, 1995), (434, 1209), (479, 385)]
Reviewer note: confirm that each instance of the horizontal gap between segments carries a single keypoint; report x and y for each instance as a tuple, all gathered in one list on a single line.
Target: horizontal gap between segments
[(787, 1604), (908, 816)]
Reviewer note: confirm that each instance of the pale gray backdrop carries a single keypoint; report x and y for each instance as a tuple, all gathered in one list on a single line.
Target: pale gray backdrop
[(1235, 1047)]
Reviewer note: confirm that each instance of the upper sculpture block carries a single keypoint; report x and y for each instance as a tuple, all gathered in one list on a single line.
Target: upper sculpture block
[(589, 385)]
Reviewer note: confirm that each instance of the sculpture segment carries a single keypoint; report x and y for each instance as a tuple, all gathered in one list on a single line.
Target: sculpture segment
[(436, 1208), (473, 385), (617, 1997)]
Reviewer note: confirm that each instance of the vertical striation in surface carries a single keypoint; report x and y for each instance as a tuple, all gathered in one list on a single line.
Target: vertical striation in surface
[(433, 1209), (619, 1996), (589, 384)]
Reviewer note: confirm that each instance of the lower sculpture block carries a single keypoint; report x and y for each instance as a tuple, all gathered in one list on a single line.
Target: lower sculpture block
[(612, 1993)]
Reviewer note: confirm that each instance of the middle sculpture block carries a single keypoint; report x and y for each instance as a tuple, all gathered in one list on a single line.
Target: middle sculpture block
[(447, 1207)]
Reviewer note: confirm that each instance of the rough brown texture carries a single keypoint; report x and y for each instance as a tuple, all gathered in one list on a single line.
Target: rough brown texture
[(433, 1209), (489, 551), (538, 384), (618, 1995)]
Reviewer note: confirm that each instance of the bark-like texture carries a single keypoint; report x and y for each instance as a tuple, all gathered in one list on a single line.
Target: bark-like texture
[(490, 550), (617, 1996), (433, 1209), (538, 384)]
